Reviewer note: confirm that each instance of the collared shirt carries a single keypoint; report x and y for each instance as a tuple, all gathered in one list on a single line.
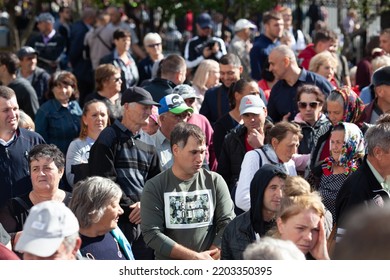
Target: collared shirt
[(282, 99), (163, 148), (384, 183), (6, 143), (47, 38)]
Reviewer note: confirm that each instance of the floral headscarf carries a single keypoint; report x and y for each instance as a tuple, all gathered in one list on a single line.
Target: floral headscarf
[(353, 105), (352, 150)]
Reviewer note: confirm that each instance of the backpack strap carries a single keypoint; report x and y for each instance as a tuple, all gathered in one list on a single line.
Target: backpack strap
[(260, 159), (22, 203)]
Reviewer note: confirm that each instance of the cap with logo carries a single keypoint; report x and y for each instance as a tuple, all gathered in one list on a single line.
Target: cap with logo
[(251, 104), (46, 226), (25, 51), (243, 24), (139, 95), (204, 20), (185, 91), (47, 17), (381, 76), (173, 103)]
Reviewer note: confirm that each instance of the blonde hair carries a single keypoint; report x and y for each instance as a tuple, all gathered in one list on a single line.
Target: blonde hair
[(380, 61), (295, 204), (202, 73), (103, 73), (25, 121), (320, 59), (296, 185)]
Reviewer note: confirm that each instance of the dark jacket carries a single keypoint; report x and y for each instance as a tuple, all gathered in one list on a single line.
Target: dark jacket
[(40, 82), (159, 88), (14, 165), (215, 103), (50, 51), (240, 232), (360, 187), (221, 128), (366, 115), (26, 96), (259, 53), (117, 154), (231, 155)]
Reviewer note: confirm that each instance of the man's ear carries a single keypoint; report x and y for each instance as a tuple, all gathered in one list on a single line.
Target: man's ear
[(175, 149)]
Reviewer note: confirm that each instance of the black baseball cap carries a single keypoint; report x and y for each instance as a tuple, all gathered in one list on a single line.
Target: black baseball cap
[(139, 95), (381, 76)]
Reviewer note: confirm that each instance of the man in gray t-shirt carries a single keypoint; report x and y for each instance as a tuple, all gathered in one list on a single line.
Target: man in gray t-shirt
[(186, 208)]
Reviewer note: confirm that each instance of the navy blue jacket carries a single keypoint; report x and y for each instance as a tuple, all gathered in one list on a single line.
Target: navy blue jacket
[(210, 108), (282, 98), (259, 54), (14, 167)]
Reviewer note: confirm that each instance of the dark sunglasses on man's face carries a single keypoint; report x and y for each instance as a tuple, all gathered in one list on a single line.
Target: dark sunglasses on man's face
[(313, 104)]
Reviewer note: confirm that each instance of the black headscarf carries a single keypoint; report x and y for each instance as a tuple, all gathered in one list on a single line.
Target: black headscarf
[(258, 185)]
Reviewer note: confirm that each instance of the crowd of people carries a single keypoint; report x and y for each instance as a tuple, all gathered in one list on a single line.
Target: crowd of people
[(258, 147)]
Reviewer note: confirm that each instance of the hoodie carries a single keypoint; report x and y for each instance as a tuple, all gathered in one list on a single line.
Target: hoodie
[(258, 185), (247, 227)]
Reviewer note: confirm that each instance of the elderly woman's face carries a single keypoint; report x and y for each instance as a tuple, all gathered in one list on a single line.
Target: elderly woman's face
[(309, 107), (287, 147), (109, 221), (336, 144), (326, 70), (335, 111), (45, 175)]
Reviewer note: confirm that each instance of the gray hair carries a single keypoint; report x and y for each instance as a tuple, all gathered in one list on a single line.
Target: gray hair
[(285, 51), (151, 37), (90, 198), (335, 96), (378, 135), (269, 248)]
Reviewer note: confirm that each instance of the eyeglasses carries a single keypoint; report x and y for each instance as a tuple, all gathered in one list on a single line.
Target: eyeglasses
[(154, 45), (313, 104), (116, 80)]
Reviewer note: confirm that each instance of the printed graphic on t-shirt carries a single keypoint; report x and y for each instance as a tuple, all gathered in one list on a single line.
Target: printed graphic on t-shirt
[(188, 209)]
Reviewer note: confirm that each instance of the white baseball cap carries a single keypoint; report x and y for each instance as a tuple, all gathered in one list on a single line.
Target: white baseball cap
[(242, 24), (46, 226)]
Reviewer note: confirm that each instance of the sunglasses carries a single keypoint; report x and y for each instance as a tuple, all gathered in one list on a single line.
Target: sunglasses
[(313, 104), (154, 45)]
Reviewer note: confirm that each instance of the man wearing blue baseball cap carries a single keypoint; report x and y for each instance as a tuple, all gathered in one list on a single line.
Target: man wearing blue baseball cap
[(204, 45), (172, 111), (120, 155)]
